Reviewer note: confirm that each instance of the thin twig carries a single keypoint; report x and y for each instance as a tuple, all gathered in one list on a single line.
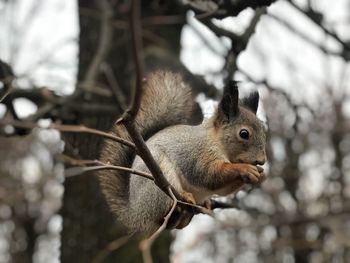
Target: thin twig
[(8, 87), (129, 116), (74, 171), (146, 244), (198, 209), (219, 31), (231, 61), (114, 85), (135, 27), (36, 95), (254, 22), (105, 39), (223, 205), (152, 165), (303, 36), (6, 77), (276, 90), (164, 20), (67, 128), (112, 246), (41, 112), (212, 46), (224, 9), (95, 165), (309, 13)]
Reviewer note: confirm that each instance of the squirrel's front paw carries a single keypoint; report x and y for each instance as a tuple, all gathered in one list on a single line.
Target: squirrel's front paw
[(188, 197), (250, 173)]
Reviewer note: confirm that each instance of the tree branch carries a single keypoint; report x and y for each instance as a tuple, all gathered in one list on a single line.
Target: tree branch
[(97, 165), (67, 128), (6, 77), (303, 36), (105, 39), (128, 117), (222, 9), (112, 246), (146, 244), (313, 16)]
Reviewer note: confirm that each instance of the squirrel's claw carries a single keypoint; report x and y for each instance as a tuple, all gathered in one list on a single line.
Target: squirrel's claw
[(188, 197)]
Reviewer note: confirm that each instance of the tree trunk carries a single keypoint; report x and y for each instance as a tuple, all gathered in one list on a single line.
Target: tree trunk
[(88, 226)]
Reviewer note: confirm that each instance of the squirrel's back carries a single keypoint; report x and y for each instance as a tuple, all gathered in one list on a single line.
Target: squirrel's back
[(166, 100)]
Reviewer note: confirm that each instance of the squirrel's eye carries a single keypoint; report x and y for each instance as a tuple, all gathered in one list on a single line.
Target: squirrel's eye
[(244, 134)]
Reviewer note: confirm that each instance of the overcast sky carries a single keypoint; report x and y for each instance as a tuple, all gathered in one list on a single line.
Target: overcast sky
[(39, 39)]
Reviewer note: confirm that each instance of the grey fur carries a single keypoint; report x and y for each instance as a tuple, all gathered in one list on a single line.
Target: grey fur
[(166, 100), (184, 153)]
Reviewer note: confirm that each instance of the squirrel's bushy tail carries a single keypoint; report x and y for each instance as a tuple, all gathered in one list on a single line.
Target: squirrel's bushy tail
[(166, 101)]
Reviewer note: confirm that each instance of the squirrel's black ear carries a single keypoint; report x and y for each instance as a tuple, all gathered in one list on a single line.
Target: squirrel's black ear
[(229, 103), (252, 101)]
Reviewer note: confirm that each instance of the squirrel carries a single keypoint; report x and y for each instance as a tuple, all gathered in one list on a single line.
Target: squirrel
[(218, 156)]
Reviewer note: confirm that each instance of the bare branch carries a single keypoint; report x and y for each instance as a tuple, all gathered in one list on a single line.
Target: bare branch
[(312, 15), (6, 77), (222, 9), (67, 128), (8, 87), (219, 31), (218, 204), (231, 63), (112, 246), (114, 85), (276, 90), (128, 117), (302, 35), (212, 47), (36, 95), (146, 244), (135, 27), (73, 171), (164, 20), (97, 166), (253, 23), (105, 39)]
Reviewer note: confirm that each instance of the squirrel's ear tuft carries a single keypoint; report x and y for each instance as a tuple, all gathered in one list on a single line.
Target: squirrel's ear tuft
[(228, 106), (252, 102)]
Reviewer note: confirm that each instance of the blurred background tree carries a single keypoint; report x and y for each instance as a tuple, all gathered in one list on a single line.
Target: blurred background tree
[(295, 52)]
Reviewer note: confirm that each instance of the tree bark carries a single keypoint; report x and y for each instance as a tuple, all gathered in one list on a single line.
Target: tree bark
[(88, 226)]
